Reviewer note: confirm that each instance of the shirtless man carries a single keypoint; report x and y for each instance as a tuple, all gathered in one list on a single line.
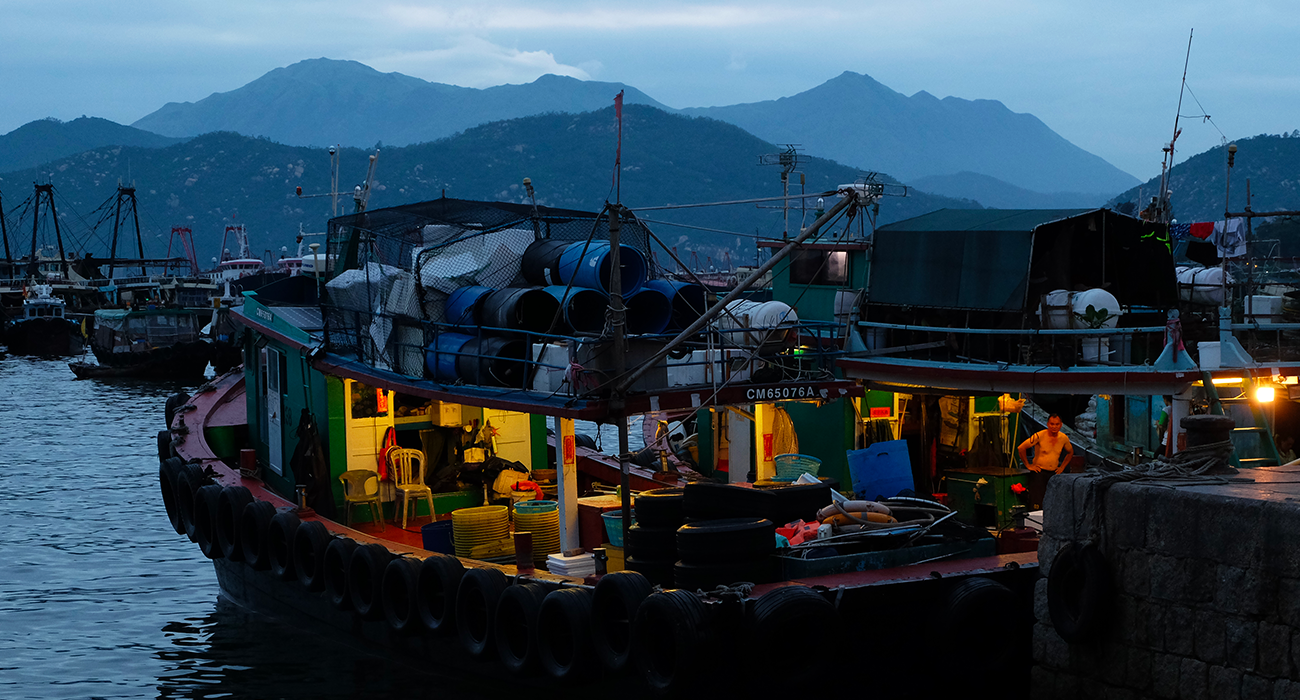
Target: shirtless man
[(1048, 446)]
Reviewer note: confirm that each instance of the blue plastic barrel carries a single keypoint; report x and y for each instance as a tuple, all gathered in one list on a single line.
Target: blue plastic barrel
[(584, 309), (461, 308), (648, 311), (688, 300), (440, 358), (592, 270)]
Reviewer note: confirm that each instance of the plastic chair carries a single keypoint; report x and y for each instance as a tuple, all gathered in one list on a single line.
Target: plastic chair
[(408, 476), (355, 493)]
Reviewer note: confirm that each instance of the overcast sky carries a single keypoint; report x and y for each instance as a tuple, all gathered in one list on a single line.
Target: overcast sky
[(1104, 74)]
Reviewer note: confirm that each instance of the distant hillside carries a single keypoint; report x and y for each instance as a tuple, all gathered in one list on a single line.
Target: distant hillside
[(217, 178), (856, 120), (45, 140), (1270, 163), (322, 101), (992, 192)]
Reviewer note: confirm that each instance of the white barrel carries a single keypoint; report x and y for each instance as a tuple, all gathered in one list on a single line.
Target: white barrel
[(1201, 285), (757, 324), (1055, 309)]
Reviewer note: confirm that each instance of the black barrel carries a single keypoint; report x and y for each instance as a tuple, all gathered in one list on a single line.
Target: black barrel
[(492, 362), (541, 262), (519, 308), (584, 309)]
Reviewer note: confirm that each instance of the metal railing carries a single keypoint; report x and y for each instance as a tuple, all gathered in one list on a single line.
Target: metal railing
[(1032, 346)]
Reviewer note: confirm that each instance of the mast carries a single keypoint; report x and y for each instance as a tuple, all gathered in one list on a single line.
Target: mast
[(4, 233), (48, 191), (1165, 209), (617, 319)]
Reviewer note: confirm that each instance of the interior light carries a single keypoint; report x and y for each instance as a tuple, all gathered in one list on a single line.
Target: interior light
[(1218, 381), (1264, 394), (1288, 380)]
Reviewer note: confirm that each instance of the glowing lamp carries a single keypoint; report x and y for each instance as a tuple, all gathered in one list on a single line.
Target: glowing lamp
[(1264, 394)]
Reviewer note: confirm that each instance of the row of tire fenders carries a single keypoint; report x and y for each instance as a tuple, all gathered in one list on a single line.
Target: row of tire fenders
[(570, 632)]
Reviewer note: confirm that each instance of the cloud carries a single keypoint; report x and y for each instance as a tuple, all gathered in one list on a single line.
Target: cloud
[(589, 16), (475, 62)]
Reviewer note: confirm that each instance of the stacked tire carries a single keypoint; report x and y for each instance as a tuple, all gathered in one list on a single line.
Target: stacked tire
[(715, 553), (651, 545), (708, 501)]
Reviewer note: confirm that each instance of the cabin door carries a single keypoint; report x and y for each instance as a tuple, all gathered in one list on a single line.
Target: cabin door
[(274, 410), (513, 439), (369, 415)]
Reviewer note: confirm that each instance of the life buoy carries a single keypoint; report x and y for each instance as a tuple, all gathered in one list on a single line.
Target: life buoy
[(205, 513), (476, 603), (230, 505), (516, 626), (366, 579), (1079, 592), (668, 640), (401, 579), (853, 507), (254, 522), (168, 470), (279, 544), (309, 544), (564, 633), (613, 608), (338, 554), (436, 590)]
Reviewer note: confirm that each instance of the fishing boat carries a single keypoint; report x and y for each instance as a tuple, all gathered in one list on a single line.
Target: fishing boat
[(154, 342), (436, 385), (44, 328)]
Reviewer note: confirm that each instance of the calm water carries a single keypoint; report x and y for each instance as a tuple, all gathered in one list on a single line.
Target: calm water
[(100, 598)]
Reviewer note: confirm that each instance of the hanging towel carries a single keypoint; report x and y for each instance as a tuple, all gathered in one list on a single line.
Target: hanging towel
[(1230, 238)]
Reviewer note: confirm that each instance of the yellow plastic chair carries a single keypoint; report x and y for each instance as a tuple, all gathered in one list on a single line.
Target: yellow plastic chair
[(356, 493), (408, 476)]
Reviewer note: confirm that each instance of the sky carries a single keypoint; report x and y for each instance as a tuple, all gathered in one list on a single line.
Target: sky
[(1104, 74)]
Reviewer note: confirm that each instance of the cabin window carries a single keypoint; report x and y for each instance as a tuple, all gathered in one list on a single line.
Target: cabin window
[(368, 402), (825, 267)]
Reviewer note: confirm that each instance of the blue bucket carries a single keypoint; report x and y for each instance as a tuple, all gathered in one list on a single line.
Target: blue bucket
[(592, 270), (440, 358), (437, 537), (614, 526), (648, 311), (461, 308)]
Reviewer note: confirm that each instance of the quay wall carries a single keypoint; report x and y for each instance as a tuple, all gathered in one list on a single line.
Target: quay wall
[(1205, 590)]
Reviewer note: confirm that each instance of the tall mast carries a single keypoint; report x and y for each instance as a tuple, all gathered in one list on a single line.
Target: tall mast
[(1165, 208), (4, 233)]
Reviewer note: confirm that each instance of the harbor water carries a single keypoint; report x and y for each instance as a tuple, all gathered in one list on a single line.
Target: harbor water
[(100, 598)]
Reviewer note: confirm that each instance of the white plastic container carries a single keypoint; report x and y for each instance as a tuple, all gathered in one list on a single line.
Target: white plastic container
[(1209, 352), (1264, 309)]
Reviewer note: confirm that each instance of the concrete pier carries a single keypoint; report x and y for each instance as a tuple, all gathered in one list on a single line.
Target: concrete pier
[(1206, 588)]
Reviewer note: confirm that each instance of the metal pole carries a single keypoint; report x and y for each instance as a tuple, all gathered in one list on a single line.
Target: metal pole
[(139, 241), (850, 197), (618, 316)]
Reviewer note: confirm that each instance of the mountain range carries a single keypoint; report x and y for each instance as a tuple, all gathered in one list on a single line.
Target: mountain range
[(223, 177), (45, 140), (851, 119)]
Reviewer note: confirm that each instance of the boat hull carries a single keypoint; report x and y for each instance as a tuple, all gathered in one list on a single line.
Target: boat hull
[(50, 337), (180, 361)]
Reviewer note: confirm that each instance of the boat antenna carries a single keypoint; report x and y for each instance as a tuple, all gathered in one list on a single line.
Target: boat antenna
[(1165, 210)]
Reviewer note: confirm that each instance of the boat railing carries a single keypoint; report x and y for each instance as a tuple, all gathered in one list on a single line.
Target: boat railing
[(1025, 346), (580, 365)]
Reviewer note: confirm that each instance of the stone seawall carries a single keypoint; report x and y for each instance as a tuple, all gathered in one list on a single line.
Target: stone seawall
[(1206, 589)]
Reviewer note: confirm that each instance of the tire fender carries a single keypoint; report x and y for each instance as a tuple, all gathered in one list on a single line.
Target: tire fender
[(476, 603), (254, 522), (205, 520), (564, 633), (613, 609), (279, 544), (168, 471), (436, 589), (669, 640), (309, 544), (398, 594), (1079, 592), (366, 579), (338, 554), (516, 626), (230, 505)]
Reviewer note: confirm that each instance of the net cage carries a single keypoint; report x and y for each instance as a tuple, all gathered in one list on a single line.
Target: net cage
[(395, 274)]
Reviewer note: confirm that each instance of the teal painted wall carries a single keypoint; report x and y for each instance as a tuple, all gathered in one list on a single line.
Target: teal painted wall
[(825, 432)]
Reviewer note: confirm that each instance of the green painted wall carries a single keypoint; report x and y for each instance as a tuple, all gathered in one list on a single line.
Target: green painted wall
[(825, 432)]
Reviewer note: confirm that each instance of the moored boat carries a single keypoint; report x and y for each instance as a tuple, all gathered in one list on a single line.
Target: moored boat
[(44, 327), (148, 342)]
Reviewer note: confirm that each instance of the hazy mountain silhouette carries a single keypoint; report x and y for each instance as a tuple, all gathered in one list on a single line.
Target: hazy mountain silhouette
[(992, 192), (45, 140)]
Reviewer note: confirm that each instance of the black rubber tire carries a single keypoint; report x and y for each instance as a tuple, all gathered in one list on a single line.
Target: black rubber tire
[(401, 578), (279, 544), (188, 481), (564, 634), (230, 506), (164, 444), (309, 544), (476, 606), (709, 576), (709, 501), (659, 507), (793, 612), (613, 608), (1079, 592), (205, 520), (366, 579), (669, 640), (168, 470), (988, 609), (652, 542), (516, 626), (437, 586), (800, 502), (174, 402), (253, 524), (338, 554), (730, 539), (659, 572)]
